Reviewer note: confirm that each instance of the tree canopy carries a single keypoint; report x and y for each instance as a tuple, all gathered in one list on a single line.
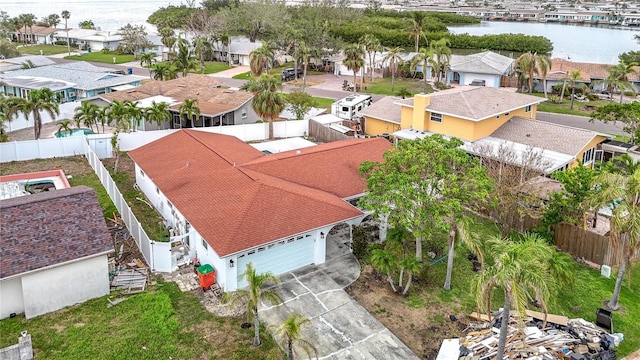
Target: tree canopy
[(628, 114)]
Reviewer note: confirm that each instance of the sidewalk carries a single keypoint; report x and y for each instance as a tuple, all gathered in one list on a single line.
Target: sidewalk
[(231, 72)]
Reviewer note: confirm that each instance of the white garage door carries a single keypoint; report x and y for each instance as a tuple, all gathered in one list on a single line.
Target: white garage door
[(278, 258)]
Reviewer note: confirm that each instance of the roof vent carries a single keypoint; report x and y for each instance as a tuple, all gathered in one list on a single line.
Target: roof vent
[(528, 135), (298, 152), (228, 91), (182, 86)]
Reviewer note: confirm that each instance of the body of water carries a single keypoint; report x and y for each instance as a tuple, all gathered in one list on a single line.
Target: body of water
[(105, 14), (595, 44)]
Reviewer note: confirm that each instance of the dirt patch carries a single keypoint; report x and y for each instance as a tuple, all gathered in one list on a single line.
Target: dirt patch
[(420, 325), (72, 165), (310, 82)]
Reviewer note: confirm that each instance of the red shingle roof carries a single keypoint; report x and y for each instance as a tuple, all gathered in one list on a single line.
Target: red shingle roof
[(238, 198)]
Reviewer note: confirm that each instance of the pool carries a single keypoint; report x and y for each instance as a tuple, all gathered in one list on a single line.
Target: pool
[(74, 132)]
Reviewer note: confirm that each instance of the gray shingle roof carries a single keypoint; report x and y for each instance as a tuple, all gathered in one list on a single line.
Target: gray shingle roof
[(384, 109), (83, 75), (560, 138), (483, 63), (479, 102), (51, 228)]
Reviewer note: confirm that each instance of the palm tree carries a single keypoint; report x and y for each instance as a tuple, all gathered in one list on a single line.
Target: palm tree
[(384, 262), (574, 76), (354, 61), (254, 294), (64, 125), (53, 20), (86, 114), (529, 63), (442, 56), (202, 46), (423, 58), (302, 53), (460, 233), (393, 57), (146, 60), (118, 115), (190, 110), (38, 101), (623, 164), (164, 71), (28, 20), (66, 15), (544, 65), (184, 61), (416, 28), (87, 24), (618, 77), (623, 191), (260, 58), (158, 112), (517, 269), (268, 103), (225, 39), (371, 45), (290, 333), (4, 110)]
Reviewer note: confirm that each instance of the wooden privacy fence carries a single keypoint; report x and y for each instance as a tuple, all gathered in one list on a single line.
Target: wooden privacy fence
[(585, 244), (325, 134)]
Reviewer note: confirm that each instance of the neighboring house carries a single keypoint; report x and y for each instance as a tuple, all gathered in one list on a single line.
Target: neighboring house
[(381, 117), (487, 66), (89, 39), (229, 204), (591, 75), (20, 62), (73, 81), (34, 35), (240, 47), (217, 106), (54, 246), (157, 47), (485, 119)]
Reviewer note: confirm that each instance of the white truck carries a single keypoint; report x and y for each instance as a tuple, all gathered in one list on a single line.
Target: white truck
[(347, 107)]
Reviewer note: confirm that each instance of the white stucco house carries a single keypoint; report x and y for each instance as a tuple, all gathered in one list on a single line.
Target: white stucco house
[(54, 246), (487, 66), (228, 204)]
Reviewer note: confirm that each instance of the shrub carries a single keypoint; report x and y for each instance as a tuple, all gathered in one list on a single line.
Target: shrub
[(60, 42), (630, 93), (555, 99)]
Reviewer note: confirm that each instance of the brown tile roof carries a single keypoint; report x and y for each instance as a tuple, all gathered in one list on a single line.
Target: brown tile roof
[(479, 102), (38, 30), (384, 109), (588, 71), (563, 139), (211, 98), (50, 228), (238, 198)]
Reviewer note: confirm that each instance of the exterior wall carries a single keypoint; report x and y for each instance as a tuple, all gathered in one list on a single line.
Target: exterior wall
[(225, 276), (56, 288), (490, 80), (406, 117), (593, 144), (487, 126), (450, 126), (11, 300), (419, 117), (374, 126)]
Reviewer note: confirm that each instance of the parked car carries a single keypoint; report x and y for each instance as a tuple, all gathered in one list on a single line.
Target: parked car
[(289, 74)]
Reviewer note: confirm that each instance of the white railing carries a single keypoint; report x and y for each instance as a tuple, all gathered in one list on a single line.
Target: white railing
[(153, 252)]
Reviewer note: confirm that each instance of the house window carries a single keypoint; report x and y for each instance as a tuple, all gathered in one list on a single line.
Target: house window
[(141, 173), (205, 245), (527, 108), (158, 191), (244, 113), (435, 117), (170, 204), (588, 156)]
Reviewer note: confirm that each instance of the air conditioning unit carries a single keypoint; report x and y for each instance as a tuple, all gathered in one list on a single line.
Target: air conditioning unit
[(71, 94)]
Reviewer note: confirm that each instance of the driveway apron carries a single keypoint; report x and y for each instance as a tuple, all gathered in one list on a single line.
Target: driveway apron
[(339, 328)]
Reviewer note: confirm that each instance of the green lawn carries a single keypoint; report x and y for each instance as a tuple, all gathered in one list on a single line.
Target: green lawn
[(383, 86), (46, 49), (161, 323), (324, 103), (102, 57), (212, 67), (579, 108)]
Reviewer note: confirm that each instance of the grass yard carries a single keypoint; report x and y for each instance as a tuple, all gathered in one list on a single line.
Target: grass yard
[(161, 323), (579, 108), (212, 67), (324, 103), (102, 57), (421, 320), (46, 49), (383, 86)]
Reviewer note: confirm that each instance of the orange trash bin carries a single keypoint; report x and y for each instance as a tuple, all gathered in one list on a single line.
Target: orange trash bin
[(207, 276)]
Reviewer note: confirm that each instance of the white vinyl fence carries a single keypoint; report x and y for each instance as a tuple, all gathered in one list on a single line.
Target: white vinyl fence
[(156, 254), (41, 149)]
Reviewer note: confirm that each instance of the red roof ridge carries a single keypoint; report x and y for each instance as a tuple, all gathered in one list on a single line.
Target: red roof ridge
[(191, 134)]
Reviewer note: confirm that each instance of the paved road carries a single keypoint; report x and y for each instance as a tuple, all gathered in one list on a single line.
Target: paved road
[(581, 122)]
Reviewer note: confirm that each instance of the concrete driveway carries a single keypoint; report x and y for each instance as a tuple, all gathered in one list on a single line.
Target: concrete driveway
[(340, 328)]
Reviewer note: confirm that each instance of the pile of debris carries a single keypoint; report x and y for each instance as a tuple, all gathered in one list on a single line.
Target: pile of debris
[(561, 338), (131, 277)]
